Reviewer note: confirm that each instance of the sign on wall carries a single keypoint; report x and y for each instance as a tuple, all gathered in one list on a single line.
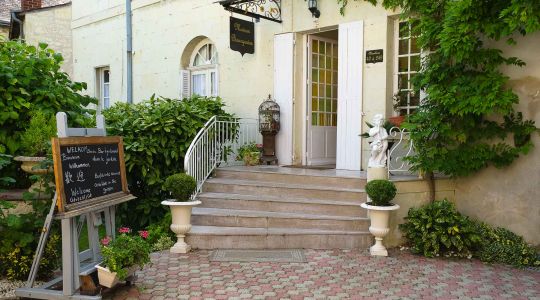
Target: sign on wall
[(374, 56), (88, 170), (242, 36)]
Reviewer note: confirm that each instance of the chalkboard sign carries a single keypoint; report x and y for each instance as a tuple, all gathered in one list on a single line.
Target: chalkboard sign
[(88, 170), (242, 36)]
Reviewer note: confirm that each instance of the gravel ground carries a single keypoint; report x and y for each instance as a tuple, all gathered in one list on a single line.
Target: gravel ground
[(7, 288)]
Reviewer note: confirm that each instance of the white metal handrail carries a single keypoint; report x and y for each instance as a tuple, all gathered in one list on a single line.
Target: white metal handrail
[(217, 144), (401, 148)]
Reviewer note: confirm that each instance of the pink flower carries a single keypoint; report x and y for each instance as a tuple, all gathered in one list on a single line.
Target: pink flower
[(105, 241), (143, 234), (124, 230), (259, 146)]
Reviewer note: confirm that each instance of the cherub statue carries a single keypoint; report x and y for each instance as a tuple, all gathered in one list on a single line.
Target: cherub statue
[(379, 144)]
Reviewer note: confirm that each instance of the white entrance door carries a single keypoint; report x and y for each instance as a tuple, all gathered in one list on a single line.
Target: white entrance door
[(322, 100), (351, 49)]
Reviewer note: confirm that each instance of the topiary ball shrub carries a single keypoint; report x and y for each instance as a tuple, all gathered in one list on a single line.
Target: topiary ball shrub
[(439, 229), (381, 192), (181, 186)]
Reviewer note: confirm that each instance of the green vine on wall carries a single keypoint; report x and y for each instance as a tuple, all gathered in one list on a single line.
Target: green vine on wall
[(467, 120)]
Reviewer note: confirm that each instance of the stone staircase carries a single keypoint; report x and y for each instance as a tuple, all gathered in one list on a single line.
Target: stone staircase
[(258, 208)]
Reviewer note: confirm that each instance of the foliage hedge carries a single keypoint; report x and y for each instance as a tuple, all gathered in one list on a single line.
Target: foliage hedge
[(157, 134), (438, 229), (181, 186)]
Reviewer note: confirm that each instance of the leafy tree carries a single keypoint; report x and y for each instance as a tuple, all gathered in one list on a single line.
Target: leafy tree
[(467, 120), (31, 80)]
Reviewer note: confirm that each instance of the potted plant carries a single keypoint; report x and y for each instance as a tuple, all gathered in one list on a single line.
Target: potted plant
[(381, 192), (122, 256), (250, 153), (36, 144), (181, 186)]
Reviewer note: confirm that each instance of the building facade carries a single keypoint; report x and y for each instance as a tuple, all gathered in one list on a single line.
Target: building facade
[(329, 75)]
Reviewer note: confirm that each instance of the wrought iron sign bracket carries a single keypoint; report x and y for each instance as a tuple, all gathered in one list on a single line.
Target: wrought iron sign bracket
[(259, 9)]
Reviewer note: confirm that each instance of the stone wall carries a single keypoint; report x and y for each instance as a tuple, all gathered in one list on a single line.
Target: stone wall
[(52, 26)]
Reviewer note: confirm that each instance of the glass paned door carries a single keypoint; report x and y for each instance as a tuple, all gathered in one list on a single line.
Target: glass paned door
[(322, 100)]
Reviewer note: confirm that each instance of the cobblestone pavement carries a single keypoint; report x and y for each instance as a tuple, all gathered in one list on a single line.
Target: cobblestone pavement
[(329, 274)]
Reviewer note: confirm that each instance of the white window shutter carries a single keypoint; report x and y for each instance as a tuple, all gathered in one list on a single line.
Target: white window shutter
[(185, 87), (283, 93), (351, 49)]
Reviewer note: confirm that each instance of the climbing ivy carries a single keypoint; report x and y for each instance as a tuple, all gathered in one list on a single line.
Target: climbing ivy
[(467, 120)]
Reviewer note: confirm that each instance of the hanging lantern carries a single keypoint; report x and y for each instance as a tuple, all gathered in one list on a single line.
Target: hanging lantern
[(269, 127)]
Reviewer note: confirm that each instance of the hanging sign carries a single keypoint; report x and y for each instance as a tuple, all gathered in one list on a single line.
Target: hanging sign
[(374, 56), (242, 36), (88, 170)]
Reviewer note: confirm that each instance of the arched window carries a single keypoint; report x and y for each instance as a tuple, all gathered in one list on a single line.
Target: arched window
[(203, 70)]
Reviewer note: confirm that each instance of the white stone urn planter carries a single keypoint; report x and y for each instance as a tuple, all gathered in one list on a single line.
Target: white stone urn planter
[(181, 222), (379, 216), (28, 164)]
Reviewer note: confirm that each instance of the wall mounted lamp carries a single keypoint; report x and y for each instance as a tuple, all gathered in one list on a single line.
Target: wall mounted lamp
[(312, 6)]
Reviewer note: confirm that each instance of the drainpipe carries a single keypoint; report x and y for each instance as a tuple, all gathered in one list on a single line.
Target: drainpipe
[(129, 49), (21, 29)]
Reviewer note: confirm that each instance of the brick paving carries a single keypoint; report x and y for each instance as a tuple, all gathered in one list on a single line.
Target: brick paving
[(329, 274)]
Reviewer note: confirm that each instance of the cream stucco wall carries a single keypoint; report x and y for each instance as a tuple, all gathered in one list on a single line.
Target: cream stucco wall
[(161, 32), (52, 26), (509, 197)]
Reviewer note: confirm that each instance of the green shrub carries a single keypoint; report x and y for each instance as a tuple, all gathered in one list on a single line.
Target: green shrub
[(181, 186), (381, 192), (36, 140), (20, 236), (500, 245), (157, 134), (439, 229)]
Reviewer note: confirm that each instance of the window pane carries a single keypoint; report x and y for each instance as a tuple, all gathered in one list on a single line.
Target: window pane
[(314, 90), (315, 45), (314, 75), (314, 119), (329, 62), (403, 29), (213, 83), (403, 46), (322, 79), (414, 99), (322, 48), (415, 63), (403, 81), (321, 62), (328, 91), (315, 61), (106, 76), (415, 48), (314, 104), (198, 82), (403, 64)]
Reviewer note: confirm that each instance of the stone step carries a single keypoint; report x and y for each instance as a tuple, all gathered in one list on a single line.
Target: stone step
[(280, 175), (265, 219), (276, 204), (283, 190), (213, 237)]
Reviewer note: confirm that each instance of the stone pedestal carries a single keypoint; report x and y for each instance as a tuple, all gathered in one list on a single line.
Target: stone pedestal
[(377, 173)]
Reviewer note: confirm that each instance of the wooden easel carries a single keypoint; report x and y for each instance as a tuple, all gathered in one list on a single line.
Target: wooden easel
[(74, 263)]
